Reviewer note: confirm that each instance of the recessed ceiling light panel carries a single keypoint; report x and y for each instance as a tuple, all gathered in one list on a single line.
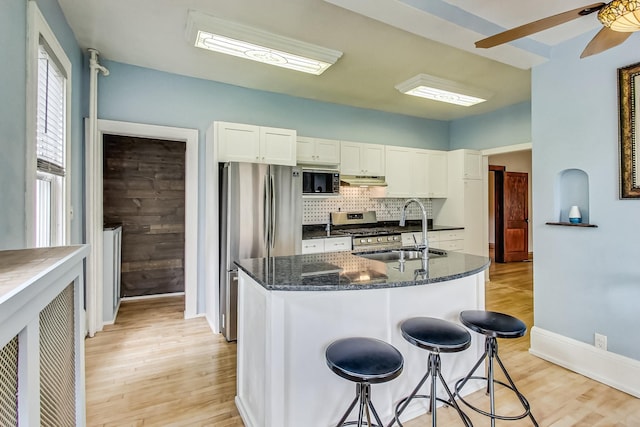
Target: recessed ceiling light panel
[(239, 40), (443, 90)]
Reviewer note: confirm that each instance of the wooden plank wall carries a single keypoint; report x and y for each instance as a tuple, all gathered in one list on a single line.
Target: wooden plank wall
[(144, 191)]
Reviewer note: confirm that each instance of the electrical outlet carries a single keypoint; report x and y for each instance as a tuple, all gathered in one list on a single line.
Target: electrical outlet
[(600, 341)]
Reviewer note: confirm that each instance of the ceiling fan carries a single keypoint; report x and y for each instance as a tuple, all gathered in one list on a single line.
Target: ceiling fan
[(619, 18)]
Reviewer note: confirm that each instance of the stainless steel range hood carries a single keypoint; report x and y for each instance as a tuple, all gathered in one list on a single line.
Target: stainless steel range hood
[(363, 181)]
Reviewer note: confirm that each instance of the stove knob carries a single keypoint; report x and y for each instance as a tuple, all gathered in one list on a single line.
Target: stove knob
[(396, 238), (369, 240), (380, 239), (363, 240), (390, 238)]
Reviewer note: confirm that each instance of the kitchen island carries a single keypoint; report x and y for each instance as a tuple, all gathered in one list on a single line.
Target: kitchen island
[(291, 308)]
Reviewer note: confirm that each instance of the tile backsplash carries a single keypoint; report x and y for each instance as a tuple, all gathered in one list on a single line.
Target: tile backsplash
[(317, 211)]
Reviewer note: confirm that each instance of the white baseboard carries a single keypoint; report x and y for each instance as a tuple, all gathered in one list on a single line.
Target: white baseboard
[(244, 414), (612, 369), (173, 294)]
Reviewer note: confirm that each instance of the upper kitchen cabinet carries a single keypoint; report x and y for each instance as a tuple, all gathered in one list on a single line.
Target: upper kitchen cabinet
[(412, 172), (437, 174), (318, 151), (466, 164), (239, 142), (357, 158), (406, 172)]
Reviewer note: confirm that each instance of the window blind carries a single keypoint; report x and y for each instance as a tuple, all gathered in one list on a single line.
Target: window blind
[(50, 128)]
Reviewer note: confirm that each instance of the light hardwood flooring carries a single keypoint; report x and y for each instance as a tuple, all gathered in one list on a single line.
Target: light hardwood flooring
[(154, 368)]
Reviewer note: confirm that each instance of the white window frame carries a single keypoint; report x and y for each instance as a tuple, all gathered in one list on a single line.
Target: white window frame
[(37, 28)]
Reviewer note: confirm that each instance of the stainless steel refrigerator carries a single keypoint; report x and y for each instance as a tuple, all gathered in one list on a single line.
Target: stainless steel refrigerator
[(260, 217)]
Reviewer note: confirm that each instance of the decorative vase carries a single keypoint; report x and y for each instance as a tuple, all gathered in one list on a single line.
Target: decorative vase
[(574, 215)]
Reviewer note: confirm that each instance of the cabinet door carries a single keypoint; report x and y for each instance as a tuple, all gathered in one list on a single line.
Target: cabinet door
[(372, 159), (437, 179), (278, 146), (350, 158), (474, 220), (313, 246), (305, 150), (418, 173), (399, 180), (336, 244), (327, 151), (472, 165), (238, 142)]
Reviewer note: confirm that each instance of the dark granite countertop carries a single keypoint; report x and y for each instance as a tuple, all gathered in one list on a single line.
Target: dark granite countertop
[(319, 232), (345, 271)]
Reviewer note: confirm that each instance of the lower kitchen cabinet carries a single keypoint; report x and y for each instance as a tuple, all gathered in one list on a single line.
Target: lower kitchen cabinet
[(447, 240), (329, 244)]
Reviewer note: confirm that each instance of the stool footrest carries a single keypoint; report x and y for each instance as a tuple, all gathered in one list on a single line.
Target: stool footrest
[(523, 400)]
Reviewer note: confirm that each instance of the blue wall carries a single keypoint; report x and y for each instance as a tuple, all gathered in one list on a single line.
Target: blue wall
[(146, 96), (13, 27), (586, 280), (507, 126), (13, 57)]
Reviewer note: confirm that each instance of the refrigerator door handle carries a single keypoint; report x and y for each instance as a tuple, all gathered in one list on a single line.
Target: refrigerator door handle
[(273, 211), (265, 212)]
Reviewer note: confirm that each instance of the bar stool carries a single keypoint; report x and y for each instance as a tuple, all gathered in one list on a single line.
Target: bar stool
[(494, 325), (437, 336), (364, 361)]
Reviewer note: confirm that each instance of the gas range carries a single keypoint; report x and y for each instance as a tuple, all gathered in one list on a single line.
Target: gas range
[(365, 238)]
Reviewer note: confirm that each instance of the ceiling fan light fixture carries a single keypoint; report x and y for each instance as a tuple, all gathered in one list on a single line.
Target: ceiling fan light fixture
[(443, 90), (231, 38), (621, 15)]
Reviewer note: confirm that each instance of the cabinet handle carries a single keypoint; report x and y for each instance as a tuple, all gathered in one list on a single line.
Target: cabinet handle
[(257, 157)]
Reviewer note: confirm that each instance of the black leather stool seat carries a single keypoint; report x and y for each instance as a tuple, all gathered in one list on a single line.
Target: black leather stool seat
[(365, 361), (435, 335), (362, 359), (492, 324)]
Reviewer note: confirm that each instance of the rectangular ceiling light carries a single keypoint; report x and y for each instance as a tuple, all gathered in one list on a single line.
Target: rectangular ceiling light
[(438, 89), (209, 32)]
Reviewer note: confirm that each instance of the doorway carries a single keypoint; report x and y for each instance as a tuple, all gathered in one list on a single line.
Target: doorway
[(144, 183), (94, 212), (515, 158)]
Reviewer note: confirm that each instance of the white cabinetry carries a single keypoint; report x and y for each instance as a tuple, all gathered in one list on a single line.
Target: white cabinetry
[(111, 251), (412, 172), (437, 175), (357, 158), (330, 244), (448, 240), (472, 165), (400, 183), (318, 151), (464, 205), (239, 142)]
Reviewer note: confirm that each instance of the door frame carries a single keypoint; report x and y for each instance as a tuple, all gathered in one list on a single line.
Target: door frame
[(94, 209), (503, 150)]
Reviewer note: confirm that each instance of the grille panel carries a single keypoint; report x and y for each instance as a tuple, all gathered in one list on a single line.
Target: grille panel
[(9, 383), (57, 361)]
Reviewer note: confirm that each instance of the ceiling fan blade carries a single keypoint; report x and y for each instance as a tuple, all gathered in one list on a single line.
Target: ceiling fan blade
[(537, 26), (605, 39)]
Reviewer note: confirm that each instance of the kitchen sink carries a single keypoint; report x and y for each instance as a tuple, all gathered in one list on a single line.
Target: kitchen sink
[(399, 254)]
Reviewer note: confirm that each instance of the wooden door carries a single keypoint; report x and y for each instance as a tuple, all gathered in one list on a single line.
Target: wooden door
[(512, 216)]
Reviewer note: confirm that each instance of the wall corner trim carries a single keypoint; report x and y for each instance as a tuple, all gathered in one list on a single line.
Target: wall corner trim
[(620, 372)]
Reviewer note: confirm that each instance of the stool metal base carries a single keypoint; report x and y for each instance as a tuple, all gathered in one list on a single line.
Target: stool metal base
[(363, 394), (491, 354), (433, 371)]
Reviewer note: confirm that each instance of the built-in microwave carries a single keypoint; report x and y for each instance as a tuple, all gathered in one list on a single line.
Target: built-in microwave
[(320, 182)]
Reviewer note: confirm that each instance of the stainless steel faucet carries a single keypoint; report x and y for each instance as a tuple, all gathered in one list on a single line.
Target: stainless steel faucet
[(403, 219)]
